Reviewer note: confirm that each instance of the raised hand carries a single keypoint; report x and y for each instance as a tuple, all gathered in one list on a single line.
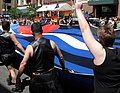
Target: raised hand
[(78, 5)]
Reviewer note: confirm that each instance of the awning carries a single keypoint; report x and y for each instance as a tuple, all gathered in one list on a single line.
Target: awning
[(23, 8), (102, 2), (63, 7), (46, 8), (55, 7)]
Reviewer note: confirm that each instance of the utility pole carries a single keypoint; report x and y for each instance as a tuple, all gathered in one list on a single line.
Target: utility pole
[(4, 1)]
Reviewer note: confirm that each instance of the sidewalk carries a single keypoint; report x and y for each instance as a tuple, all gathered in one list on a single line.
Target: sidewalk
[(72, 83), (4, 88)]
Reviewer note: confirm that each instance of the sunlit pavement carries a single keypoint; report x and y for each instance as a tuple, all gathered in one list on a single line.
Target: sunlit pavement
[(4, 88)]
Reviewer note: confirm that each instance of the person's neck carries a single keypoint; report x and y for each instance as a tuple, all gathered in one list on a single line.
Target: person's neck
[(38, 36), (6, 31)]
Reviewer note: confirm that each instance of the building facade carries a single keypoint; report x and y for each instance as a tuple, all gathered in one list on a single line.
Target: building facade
[(98, 7), (103, 8), (7, 4)]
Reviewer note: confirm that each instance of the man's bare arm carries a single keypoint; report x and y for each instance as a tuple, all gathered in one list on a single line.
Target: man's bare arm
[(12, 36), (28, 54), (58, 54)]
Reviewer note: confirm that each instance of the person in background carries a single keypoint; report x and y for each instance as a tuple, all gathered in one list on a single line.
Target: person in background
[(41, 52), (8, 56), (106, 57), (118, 23)]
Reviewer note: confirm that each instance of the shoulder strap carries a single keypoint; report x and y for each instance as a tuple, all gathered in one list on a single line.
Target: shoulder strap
[(2, 39), (1, 33)]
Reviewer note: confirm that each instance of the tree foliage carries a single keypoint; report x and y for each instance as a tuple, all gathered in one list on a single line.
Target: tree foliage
[(14, 12), (30, 12)]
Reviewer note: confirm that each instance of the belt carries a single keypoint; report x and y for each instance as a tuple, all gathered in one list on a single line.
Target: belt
[(40, 73)]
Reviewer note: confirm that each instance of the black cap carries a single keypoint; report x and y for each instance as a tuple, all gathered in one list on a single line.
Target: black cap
[(36, 28)]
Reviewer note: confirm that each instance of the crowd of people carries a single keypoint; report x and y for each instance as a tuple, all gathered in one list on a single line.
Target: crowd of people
[(40, 54), (114, 21)]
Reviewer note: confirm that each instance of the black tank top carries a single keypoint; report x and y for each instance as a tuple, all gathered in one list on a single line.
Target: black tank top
[(43, 55), (7, 46), (107, 75)]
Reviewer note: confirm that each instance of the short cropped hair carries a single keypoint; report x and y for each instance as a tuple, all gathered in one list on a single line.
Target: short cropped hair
[(106, 35), (36, 28), (6, 25)]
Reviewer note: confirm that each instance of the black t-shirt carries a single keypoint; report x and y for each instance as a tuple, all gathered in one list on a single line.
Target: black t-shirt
[(7, 46), (7, 49), (107, 75)]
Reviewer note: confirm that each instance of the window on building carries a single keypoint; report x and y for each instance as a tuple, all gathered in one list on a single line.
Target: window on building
[(8, 7), (28, 1), (106, 9), (7, 1), (109, 10)]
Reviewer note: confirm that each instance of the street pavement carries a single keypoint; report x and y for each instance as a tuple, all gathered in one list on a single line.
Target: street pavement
[(72, 83), (4, 88)]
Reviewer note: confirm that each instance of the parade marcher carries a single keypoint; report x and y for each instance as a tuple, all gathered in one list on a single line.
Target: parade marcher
[(106, 57), (41, 53), (8, 55), (118, 23)]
